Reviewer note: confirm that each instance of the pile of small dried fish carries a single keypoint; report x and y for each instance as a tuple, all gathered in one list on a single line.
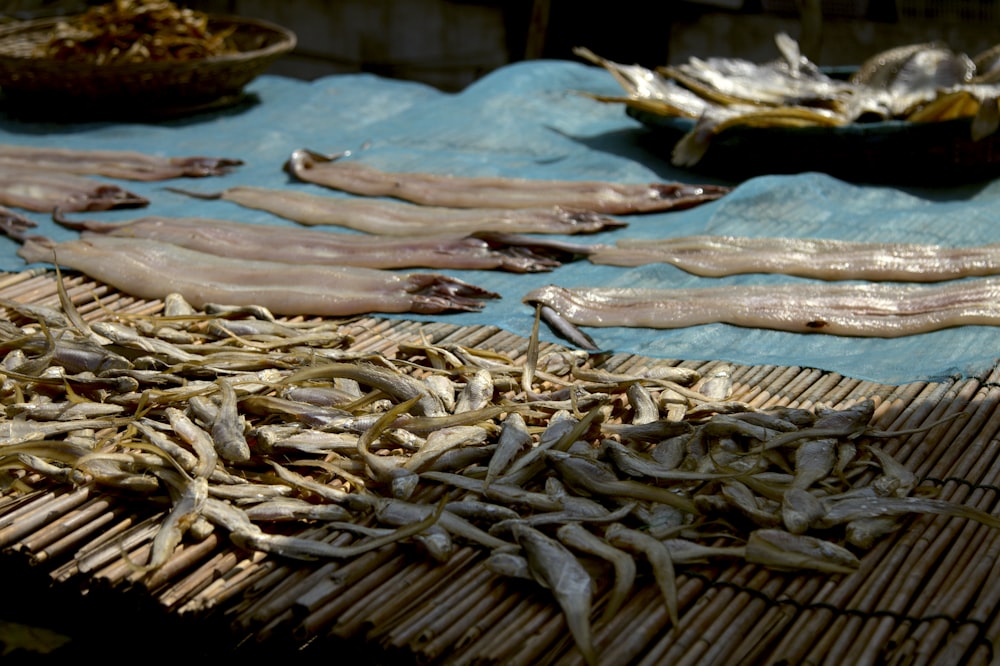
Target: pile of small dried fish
[(132, 31), (917, 83), (577, 478)]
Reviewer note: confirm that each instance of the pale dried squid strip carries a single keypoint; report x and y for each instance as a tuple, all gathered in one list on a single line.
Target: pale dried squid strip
[(125, 164), (864, 310), (498, 192), (394, 218), (45, 191), (151, 269), (716, 256)]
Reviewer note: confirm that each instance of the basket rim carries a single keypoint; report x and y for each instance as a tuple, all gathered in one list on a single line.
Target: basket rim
[(287, 41)]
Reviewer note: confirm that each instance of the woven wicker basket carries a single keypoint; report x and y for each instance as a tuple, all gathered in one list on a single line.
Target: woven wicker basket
[(151, 86)]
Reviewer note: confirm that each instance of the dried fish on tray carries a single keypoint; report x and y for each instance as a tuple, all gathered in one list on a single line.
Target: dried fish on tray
[(578, 472), (907, 109), (496, 192), (868, 310)]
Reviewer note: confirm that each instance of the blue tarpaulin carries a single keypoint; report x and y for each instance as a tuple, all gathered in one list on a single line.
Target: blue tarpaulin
[(529, 120)]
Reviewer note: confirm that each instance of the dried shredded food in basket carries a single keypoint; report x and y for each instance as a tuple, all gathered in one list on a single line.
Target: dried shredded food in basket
[(132, 31)]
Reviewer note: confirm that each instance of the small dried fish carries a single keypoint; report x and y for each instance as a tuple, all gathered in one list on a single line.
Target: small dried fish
[(778, 549), (554, 567), (228, 426), (659, 559), (578, 537)]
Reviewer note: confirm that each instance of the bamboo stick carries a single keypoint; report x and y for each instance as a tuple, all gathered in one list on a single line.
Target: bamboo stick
[(244, 573), (185, 557), (63, 545), (504, 602), (388, 594), (752, 609), (56, 529), (700, 623), (409, 628), (17, 525), (463, 631), (212, 569), (374, 573), (329, 587), (500, 642), (416, 599), (289, 584), (116, 542)]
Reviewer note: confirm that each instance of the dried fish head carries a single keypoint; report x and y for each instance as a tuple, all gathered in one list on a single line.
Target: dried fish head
[(782, 550)]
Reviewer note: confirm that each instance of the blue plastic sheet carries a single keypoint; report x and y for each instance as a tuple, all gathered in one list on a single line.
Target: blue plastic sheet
[(529, 120)]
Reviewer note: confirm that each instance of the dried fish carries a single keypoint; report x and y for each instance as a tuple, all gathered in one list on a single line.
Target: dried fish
[(43, 192), (285, 509), (494, 192), (391, 218), (228, 426), (128, 165), (659, 559), (186, 509), (149, 269), (846, 509), (591, 478), (440, 441), (557, 569), (823, 259), (917, 83), (870, 310), (578, 537), (778, 549), (514, 437), (322, 247)]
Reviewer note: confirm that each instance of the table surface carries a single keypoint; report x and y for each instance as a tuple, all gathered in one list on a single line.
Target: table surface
[(529, 120)]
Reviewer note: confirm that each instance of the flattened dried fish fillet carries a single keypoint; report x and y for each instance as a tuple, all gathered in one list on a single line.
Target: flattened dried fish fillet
[(151, 269), (865, 310), (125, 164), (497, 192), (394, 218), (43, 192), (824, 259), (321, 247)]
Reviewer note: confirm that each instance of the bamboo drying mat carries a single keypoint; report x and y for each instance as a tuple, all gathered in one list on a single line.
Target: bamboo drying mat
[(927, 594)]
